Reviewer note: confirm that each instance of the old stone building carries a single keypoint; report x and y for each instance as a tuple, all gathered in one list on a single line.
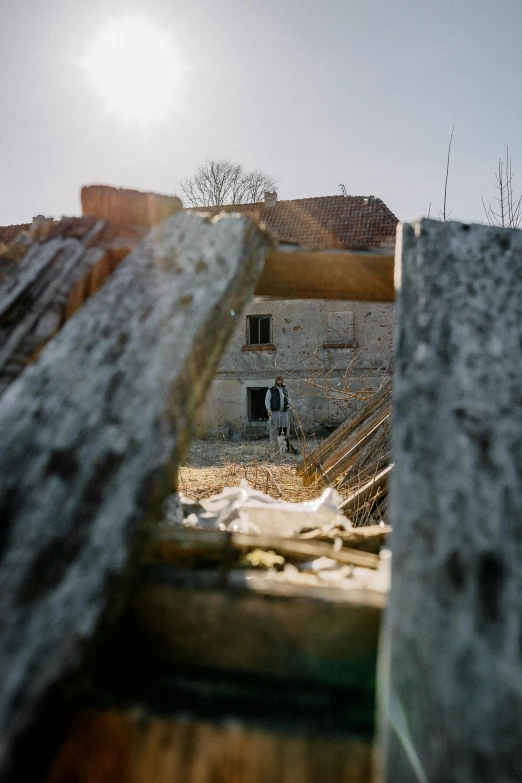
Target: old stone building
[(326, 350)]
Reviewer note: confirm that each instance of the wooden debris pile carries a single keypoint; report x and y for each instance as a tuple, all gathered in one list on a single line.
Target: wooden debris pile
[(303, 608), (243, 530), (339, 542), (356, 457), (91, 443), (52, 268), (46, 276)]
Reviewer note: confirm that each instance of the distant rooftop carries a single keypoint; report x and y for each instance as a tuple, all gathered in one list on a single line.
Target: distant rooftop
[(322, 221), (319, 222), (8, 234)]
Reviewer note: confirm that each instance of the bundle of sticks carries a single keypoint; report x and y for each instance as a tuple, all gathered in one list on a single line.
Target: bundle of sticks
[(356, 459)]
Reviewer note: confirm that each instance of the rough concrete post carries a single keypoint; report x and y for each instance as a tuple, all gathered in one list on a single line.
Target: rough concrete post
[(451, 670)]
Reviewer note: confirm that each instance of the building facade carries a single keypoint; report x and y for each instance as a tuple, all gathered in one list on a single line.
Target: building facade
[(329, 352)]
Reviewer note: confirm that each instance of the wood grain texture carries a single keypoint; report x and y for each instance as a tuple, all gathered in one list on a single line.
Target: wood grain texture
[(134, 747), (186, 546), (294, 273), (55, 277), (127, 207), (335, 454), (452, 668), (247, 623), (91, 434), (369, 489)]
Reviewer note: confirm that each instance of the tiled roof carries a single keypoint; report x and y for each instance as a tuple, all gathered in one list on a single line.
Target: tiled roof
[(324, 221), (9, 233)]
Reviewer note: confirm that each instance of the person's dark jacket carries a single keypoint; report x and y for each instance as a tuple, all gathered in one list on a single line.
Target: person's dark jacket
[(276, 398)]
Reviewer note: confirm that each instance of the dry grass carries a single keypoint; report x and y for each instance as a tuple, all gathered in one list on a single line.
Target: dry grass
[(214, 464)]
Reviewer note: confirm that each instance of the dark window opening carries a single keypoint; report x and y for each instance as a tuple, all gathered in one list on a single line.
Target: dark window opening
[(258, 329), (256, 404)]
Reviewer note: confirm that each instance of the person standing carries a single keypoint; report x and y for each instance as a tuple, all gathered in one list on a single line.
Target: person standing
[(277, 403)]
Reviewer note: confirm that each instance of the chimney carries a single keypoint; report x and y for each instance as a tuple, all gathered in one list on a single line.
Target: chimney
[(270, 198), (40, 228)]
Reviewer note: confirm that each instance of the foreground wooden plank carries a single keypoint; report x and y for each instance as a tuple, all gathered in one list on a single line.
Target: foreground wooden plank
[(133, 747), (90, 437), (453, 671), (247, 622), (294, 273), (201, 546)]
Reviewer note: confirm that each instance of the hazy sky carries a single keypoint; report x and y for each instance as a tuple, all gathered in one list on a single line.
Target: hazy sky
[(315, 92)]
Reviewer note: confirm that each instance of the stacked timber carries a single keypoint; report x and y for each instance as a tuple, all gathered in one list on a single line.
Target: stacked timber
[(44, 280), (355, 458), (50, 270)]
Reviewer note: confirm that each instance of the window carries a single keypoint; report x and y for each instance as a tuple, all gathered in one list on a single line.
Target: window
[(341, 330), (256, 404), (259, 329)]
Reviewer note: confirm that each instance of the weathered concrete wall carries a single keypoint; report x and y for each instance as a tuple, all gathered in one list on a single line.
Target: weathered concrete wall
[(300, 330), (452, 707)]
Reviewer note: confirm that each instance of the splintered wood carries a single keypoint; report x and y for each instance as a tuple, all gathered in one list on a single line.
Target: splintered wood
[(356, 457), (64, 265)]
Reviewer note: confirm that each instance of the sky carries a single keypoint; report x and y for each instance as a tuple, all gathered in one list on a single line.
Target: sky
[(314, 92)]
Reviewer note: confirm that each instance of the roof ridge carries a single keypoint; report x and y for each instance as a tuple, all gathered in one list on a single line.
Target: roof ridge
[(289, 201)]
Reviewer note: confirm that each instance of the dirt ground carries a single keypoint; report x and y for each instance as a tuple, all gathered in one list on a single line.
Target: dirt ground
[(214, 464)]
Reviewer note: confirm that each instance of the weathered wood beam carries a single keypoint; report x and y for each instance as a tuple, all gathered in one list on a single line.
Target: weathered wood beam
[(452, 673), (246, 622), (130, 746), (295, 273), (56, 275), (90, 437), (127, 207), (192, 546)]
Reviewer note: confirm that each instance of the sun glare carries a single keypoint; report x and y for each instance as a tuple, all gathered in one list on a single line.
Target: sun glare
[(135, 69)]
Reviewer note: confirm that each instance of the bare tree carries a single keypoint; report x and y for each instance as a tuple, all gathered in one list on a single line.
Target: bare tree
[(342, 386), (218, 182), (445, 215), (508, 211)]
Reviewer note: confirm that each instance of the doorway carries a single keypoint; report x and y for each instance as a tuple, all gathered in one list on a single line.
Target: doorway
[(256, 403)]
